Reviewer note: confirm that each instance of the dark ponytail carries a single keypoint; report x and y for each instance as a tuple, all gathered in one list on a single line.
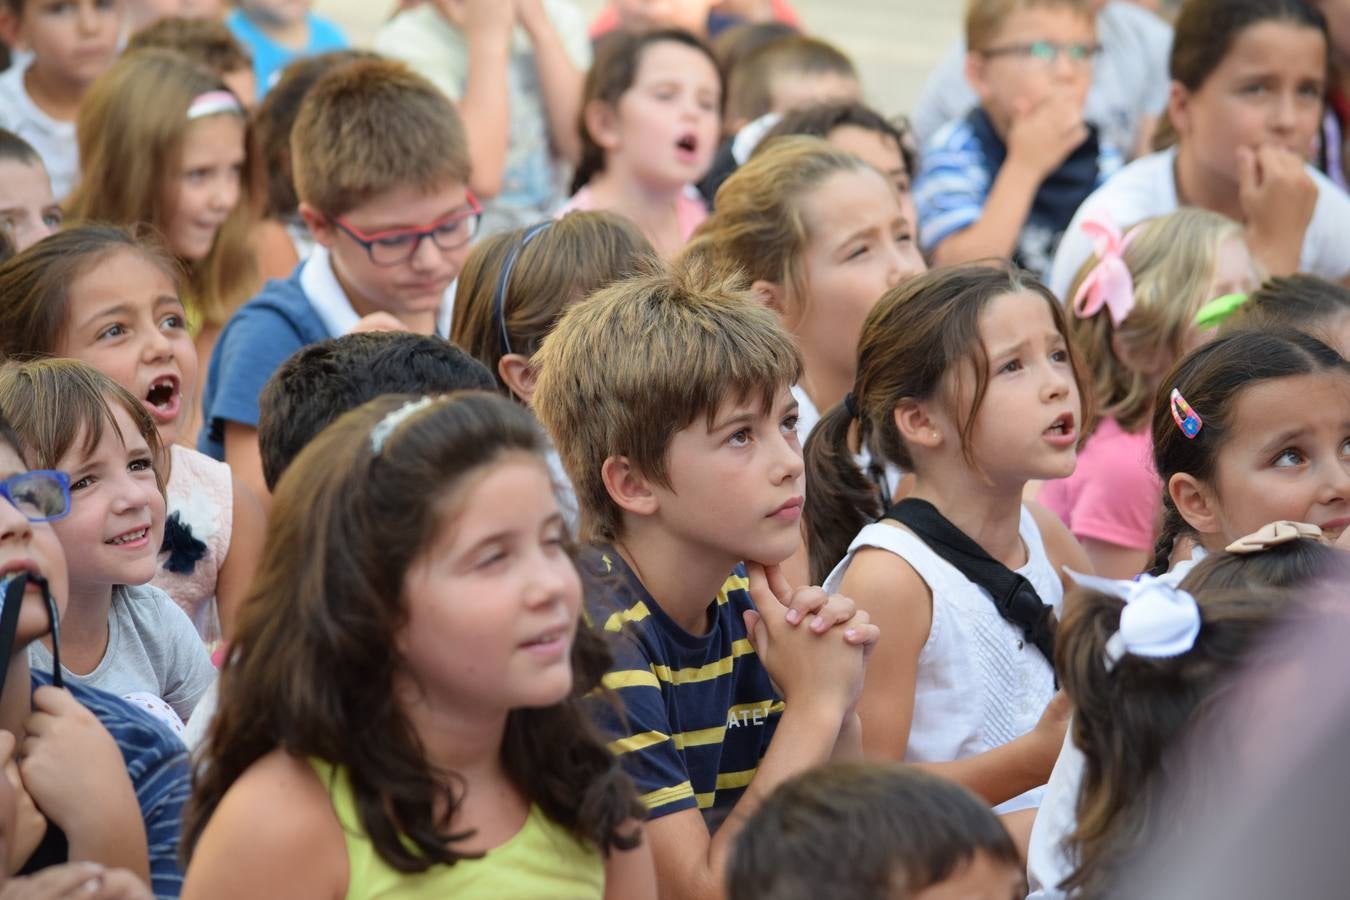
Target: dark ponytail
[(1210, 380), (910, 339), (852, 501)]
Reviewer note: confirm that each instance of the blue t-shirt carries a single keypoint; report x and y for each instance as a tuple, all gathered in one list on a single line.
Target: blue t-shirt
[(257, 339), (269, 57), (699, 710), (957, 171), (157, 763)]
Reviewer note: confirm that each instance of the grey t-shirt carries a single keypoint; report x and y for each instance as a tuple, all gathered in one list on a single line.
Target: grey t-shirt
[(153, 649), (1129, 80)]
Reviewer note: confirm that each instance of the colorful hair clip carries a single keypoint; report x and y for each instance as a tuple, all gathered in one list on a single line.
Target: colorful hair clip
[(1274, 534), (1215, 312), (1187, 419)]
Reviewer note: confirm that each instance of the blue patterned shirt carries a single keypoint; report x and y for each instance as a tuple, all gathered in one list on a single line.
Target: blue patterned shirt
[(957, 172)]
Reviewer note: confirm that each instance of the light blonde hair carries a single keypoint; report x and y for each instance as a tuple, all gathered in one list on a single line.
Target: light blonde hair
[(130, 130), (758, 227), (1172, 260), (54, 403), (633, 364), (559, 265), (369, 126), (985, 18)]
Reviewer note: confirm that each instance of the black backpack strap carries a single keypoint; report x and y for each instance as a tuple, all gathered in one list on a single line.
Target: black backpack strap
[(1014, 597)]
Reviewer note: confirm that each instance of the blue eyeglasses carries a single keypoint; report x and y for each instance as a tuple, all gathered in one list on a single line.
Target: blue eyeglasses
[(42, 495), (1047, 52)]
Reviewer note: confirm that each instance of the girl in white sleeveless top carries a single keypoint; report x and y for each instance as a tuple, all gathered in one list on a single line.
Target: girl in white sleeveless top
[(966, 379)]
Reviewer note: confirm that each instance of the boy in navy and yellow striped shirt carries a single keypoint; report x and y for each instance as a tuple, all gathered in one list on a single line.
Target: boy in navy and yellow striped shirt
[(668, 398)]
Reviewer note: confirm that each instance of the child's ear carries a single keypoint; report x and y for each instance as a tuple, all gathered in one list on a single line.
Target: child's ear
[(975, 74), (1179, 108), (319, 225), (628, 487), (1195, 501), (602, 124), (515, 370), (916, 425), (9, 29), (770, 294)]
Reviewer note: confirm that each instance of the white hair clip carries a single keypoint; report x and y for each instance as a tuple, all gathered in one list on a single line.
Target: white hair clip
[(392, 419), (1158, 621)]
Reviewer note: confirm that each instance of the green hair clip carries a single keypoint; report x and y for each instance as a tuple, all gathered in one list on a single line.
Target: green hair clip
[(1213, 313)]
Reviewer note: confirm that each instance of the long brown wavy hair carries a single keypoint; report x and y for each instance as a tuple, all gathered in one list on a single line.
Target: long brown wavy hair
[(313, 667)]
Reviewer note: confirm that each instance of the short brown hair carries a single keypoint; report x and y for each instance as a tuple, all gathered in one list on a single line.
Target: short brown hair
[(53, 403), (555, 266), (985, 18), (627, 368), (369, 126), (750, 83), (921, 830), (205, 41), (275, 119)]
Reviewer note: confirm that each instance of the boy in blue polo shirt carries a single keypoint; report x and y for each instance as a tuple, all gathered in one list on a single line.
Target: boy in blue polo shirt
[(381, 167), (668, 399)]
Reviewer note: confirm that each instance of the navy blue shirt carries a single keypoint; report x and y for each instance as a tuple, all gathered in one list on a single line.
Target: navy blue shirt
[(257, 339), (699, 710), (157, 763)]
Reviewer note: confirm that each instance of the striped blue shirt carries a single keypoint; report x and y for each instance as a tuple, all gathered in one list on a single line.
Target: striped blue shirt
[(957, 172), (157, 764), (699, 710)]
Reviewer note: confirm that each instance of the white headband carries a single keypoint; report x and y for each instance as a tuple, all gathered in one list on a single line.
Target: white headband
[(392, 419), (212, 103), (1158, 621)]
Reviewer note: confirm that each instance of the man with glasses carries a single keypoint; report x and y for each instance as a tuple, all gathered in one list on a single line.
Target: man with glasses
[(1005, 180)]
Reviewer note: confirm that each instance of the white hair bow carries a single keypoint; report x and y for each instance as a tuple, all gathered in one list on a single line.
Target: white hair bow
[(1158, 620)]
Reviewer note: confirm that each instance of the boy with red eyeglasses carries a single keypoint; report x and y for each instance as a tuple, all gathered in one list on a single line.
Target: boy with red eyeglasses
[(381, 167)]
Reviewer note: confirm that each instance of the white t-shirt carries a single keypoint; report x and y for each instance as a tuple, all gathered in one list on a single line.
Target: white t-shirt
[(1147, 188), (54, 141)]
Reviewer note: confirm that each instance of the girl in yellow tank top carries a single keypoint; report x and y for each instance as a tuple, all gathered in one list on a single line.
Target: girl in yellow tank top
[(400, 716)]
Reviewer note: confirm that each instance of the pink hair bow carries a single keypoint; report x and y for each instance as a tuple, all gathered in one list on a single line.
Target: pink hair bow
[(1109, 283)]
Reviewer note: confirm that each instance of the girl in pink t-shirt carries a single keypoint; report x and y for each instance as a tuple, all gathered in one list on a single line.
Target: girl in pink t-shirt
[(1133, 316), (649, 127)]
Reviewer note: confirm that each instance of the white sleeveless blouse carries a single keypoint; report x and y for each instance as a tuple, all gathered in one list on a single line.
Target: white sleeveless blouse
[(979, 683)]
